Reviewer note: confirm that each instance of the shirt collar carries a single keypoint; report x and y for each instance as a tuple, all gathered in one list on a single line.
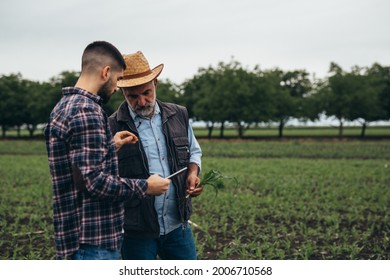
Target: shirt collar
[(80, 91)]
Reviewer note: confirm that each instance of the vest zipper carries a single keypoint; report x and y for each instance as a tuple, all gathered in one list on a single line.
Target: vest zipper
[(139, 148), (142, 155)]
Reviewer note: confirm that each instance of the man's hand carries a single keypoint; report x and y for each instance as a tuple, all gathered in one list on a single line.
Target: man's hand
[(193, 188), (124, 137), (157, 185)]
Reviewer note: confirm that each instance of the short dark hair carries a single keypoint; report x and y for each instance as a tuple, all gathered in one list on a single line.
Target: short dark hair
[(99, 53)]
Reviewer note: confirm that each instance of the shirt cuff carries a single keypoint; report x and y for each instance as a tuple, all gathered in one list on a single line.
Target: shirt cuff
[(138, 187)]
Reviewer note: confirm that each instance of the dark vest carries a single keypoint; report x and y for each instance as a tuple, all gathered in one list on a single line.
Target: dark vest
[(140, 215)]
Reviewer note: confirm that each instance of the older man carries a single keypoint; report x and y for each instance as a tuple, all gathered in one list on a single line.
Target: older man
[(158, 225)]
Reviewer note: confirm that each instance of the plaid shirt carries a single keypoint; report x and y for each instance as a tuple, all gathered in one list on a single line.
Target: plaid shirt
[(88, 193)]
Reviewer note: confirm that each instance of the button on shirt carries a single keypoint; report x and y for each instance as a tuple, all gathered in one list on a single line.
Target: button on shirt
[(153, 141)]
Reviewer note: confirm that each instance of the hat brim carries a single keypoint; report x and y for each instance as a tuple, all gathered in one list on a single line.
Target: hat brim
[(155, 72)]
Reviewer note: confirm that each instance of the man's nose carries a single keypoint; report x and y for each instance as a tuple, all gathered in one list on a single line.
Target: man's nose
[(141, 101)]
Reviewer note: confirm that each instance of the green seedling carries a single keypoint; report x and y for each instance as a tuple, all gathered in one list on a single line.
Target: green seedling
[(215, 179)]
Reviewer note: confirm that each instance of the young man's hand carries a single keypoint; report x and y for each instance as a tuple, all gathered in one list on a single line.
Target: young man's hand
[(157, 185), (124, 137)]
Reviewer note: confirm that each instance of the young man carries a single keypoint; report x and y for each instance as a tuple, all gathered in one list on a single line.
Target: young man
[(156, 226), (88, 194)]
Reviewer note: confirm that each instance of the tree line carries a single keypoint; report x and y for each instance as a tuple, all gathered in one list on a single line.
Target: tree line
[(228, 93)]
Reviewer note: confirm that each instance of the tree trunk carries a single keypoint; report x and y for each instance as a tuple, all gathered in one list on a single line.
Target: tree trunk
[(363, 132), (210, 130), (240, 130), (18, 131), (341, 128), (31, 129), (4, 129), (281, 126), (222, 129)]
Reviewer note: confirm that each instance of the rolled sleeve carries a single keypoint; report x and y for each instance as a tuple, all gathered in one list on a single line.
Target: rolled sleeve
[(195, 149)]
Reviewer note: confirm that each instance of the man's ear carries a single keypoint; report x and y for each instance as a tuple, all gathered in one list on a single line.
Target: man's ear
[(155, 82), (106, 73)]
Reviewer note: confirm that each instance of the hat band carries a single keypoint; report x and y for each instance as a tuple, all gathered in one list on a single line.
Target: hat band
[(139, 75)]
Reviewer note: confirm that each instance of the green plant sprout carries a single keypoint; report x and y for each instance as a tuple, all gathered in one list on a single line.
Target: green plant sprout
[(215, 179)]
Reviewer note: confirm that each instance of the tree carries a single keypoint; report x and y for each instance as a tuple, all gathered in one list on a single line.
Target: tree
[(289, 90), (355, 95), (365, 102), (202, 99), (312, 106), (227, 93), (12, 105), (380, 77), (235, 92), (53, 89), (168, 91), (39, 101), (337, 95)]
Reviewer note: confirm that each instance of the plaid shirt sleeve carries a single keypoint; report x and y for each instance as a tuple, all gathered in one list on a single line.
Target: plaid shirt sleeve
[(92, 153)]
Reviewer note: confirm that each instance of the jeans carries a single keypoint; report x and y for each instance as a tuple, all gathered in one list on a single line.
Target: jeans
[(92, 252), (176, 245)]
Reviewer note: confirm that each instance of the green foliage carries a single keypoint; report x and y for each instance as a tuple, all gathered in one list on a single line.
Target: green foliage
[(380, 77), (215, 179), (227, 93), (296, 200), (331, 205), (29, 103), (297, 149), (355, 95), (26, 226), (167, 91), (290, 96), (12, 107)]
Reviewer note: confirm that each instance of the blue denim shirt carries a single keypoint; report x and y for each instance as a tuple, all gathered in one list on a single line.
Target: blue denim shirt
[(155, 146)]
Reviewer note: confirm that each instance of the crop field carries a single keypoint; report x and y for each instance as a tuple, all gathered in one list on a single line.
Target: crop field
[(316, 132), (295, 200)]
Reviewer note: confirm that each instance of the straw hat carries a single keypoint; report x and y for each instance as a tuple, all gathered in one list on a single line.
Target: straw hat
[(138, 71)]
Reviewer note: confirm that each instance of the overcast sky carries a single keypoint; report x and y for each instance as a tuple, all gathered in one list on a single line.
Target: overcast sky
[(41, 38)]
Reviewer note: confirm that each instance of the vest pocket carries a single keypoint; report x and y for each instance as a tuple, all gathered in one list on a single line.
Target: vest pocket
[(125, 167), (132, 214), (128, 157), (182, 150)]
